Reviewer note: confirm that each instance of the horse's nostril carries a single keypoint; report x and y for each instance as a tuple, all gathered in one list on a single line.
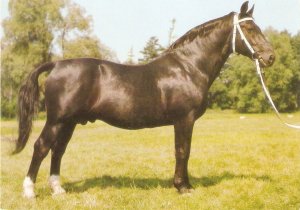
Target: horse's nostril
[(271, 59)]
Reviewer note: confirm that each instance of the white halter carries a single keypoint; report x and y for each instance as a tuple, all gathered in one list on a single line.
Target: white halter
[(237, 27)]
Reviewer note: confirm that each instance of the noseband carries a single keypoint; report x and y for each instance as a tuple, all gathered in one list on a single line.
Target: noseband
[(237, 28)]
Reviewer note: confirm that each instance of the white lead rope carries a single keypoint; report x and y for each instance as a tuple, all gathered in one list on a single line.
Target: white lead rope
[(237, 27), (270, 98)]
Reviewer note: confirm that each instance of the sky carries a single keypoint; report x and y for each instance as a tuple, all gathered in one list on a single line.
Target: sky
[(125, 24)]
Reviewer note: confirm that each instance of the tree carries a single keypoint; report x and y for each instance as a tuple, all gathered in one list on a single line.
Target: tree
[(130, 57), (281, 77), (296, 48), (73, 21), (245, 90), (26, 43), (86, 46), (171, 32), (151, 50), (218, 97)]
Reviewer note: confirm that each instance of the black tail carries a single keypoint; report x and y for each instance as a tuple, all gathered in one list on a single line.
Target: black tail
[(28, 104)]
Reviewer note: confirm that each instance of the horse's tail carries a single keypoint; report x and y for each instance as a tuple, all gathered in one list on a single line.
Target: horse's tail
[(28, 104)]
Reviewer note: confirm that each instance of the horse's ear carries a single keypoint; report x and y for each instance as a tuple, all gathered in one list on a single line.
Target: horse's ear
[(250, 12), (244, 8)]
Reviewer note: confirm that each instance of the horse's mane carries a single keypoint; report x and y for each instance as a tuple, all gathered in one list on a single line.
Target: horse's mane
[(200, 31)]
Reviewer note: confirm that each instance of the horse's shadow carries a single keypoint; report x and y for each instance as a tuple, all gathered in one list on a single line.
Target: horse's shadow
[(150, 183)]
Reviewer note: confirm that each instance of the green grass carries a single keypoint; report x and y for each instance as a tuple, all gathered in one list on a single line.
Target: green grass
[(251, 163)]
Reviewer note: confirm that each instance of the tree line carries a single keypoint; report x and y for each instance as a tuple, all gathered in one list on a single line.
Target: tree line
[(39, 31)]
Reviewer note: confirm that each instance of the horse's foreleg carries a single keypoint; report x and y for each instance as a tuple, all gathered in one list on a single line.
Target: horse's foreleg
[(183, 136), (41, 149), (58, 149)]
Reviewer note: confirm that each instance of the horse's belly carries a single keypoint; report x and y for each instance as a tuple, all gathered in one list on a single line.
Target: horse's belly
[(134, 122), (131, 115)]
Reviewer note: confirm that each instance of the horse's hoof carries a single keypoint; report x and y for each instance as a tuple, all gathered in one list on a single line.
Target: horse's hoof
[(55, 185), (58, 191), (29, 195), (28, 188), (185, 190)]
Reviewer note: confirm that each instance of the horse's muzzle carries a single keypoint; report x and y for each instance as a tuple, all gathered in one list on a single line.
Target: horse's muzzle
[(265, 59)]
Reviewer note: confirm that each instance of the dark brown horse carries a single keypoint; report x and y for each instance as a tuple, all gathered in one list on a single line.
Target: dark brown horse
[(171, 90)]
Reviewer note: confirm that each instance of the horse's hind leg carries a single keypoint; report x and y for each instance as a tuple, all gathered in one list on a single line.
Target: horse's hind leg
[(41, 149), (58, 149)]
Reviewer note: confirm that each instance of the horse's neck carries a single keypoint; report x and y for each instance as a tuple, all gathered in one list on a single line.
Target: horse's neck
[(209, 54)]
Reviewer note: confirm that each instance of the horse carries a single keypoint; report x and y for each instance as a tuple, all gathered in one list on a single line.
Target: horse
[(170, 90)]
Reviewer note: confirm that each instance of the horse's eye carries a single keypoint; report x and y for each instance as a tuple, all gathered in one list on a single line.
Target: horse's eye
[(250, 30)]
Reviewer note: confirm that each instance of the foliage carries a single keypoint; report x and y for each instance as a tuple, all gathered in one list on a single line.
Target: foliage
[(250, 163), (151, 50), (26, 43), (130, 58), (171, 32), (74, 21), (86, 47), (282, 75), (296, 48)]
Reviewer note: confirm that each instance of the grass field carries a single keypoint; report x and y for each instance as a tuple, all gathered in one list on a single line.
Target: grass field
[(249, 162)]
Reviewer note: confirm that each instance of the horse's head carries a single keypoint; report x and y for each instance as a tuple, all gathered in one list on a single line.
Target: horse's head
[(261, 48)]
